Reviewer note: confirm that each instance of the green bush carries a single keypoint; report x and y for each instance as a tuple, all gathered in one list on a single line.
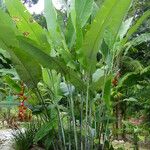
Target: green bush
[(23, 139)]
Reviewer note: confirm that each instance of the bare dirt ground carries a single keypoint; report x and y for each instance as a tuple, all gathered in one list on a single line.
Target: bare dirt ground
[(129, 146)]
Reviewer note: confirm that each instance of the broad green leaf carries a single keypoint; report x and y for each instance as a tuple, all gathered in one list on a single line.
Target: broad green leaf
[(51, 62), (98, 80), (6, 20), (115, 21), (52, 24), (83, 11), (70, 33), (66, 89), (80, 13), (95, 10), (134, 28), (7, 37), (55, 36), (73, 13), (105, 50), (107, 91), (107, 19), (26, 24), (125, 27), (28, 69), (35, 51), (14, 86), (93, 37), (52, 79), (97, 75), (2, 44)]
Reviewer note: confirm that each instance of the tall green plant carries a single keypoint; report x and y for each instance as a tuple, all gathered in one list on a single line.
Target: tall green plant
[(86, 80)]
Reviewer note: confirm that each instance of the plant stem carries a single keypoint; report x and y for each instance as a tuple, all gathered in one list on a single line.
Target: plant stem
[(69, 125), (73, 116), (81, 120), (86, 116), (61, 126)]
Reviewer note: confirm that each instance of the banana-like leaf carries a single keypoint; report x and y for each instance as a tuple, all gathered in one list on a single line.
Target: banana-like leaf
[(115, 21), (14, 86), (70, 33), (95, 10), (125, 27), (97, 80), (52, 79), (107, 19), (7, 37), (50, 62), (80, 13), (55, 36), (26, 24), (28, 69), (134, 28), (73, 13), (52, 24), (83, 11), (107, 91), (6, 20)]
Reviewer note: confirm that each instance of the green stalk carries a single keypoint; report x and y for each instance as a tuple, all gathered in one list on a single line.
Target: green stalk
[(90, 123), (61, 126), (106, 129), (73, 117), (81, 122), (69, 125), (86, 116), (54, 146)]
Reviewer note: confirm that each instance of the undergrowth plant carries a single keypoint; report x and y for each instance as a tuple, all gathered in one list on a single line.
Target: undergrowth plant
[(24, 138), (70, 66)]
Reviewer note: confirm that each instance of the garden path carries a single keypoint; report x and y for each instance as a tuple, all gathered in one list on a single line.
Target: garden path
[(6, 139)]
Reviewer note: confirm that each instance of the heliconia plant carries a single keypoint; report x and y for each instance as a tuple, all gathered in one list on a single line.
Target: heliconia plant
[(60, 64)]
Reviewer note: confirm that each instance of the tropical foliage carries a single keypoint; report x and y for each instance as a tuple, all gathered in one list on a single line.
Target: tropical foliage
[(78, 71)]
